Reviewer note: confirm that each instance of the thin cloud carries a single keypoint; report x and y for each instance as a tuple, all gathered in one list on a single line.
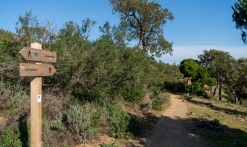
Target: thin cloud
[(192, 51)]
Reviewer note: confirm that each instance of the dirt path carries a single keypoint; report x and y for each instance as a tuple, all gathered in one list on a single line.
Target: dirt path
[(171, 130)]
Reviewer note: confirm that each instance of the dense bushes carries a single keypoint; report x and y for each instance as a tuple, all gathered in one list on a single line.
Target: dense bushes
[(12, 94), (91, 75), (132, 93), (84, 121), (79, 120), (118, 121), (158, 101), (10, 137), (15, 135), (196, 88)]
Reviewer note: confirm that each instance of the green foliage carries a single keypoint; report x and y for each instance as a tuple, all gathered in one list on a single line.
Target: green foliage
[(172, 77), (196, 88), (236, 81), (118, 121), (199, 75), (132, 93), (9, 61), (57, 122), (210, 81), (239, 16), (98, 71), (29, 30), (116, 35), (10, 137), (189, 67), (158, 102), (8, 45), (79, 120), (11, 94), (79, 93), (144, 21), (221, 65), (15, 135)]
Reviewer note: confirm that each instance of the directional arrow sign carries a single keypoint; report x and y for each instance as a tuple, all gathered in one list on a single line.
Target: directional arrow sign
[(31, 54), (37, 70)]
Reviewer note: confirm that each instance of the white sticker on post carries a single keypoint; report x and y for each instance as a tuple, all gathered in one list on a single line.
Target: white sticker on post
[(39, 98)]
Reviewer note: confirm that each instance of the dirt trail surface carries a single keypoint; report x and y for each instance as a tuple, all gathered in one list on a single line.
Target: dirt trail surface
[(171, 130)]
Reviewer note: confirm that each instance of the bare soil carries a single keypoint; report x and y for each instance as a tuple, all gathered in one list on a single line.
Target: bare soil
[(172, 128)]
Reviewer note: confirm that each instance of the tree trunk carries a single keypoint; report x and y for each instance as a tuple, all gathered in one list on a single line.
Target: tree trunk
[(220, 88), (238, 101), (215, 90), (188, 83), (217, 85)]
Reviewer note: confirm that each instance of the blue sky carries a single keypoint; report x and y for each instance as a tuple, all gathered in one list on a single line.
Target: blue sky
[(198, 24)]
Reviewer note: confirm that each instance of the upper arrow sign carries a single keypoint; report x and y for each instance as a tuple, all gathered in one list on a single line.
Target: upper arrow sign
[(31, 54), (36, 70)]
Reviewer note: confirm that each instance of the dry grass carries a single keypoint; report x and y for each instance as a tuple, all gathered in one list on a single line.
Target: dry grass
[(220, 123)]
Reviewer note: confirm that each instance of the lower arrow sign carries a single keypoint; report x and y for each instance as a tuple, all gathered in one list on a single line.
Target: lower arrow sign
[(36, 70)]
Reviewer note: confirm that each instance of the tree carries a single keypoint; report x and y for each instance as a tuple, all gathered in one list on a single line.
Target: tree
[(219, 62), (204, 78), (145, 20), (240, 17), (189, 68), (236, 81), (241, 84), (72, 46), (28, 28), (9, 47), (197, 76), (116, 35)]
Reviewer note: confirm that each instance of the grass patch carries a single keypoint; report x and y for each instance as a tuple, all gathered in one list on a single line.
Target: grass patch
[(108, 145), (221, 124)]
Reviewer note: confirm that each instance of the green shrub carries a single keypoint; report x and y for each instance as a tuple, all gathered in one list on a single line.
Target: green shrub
[(12, 95), (132, 93), (174, 86), (118, 120), (11, 137), (79, 93), (155, 90), (80, 121), (196, 88), (158, 102), (57, 122)]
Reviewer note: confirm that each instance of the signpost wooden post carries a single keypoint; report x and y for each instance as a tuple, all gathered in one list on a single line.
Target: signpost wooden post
[(36, 71)]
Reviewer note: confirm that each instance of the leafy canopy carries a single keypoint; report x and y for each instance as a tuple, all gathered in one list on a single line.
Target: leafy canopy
[(239, 16), (145, 20), (189, 67)]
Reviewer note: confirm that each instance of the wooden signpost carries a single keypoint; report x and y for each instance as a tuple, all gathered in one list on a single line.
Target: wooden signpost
[(39, 70), (36, 70), (32, 54)]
